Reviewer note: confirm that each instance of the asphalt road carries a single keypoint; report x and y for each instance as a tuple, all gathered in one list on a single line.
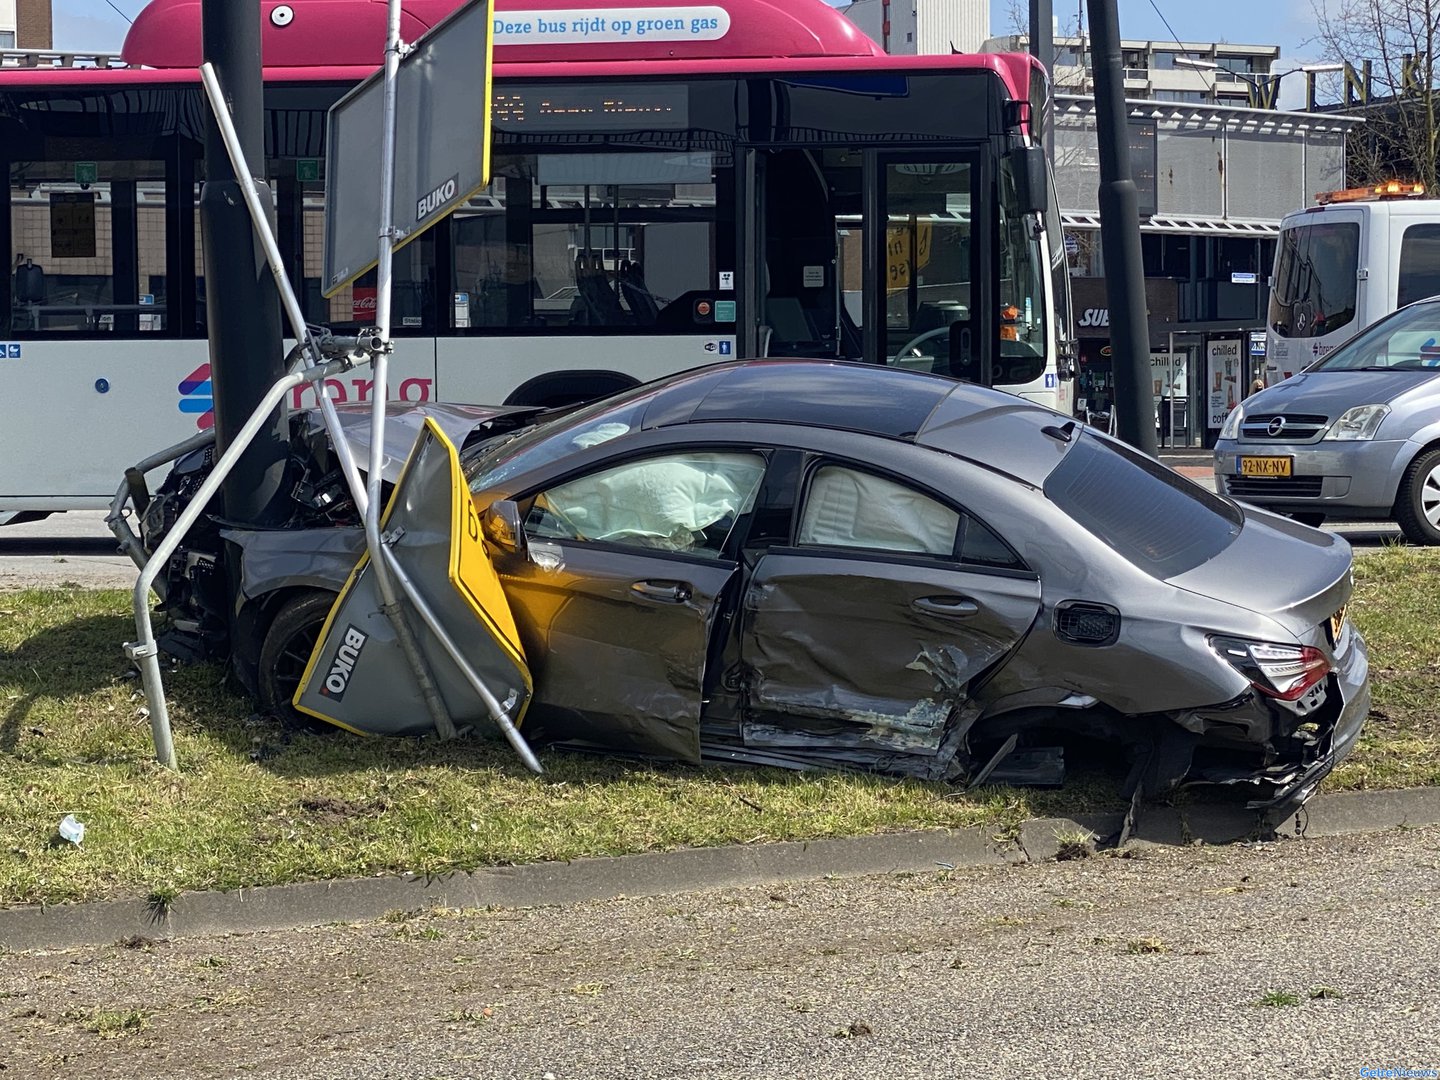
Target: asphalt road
[(1313, 958), (70, 548)]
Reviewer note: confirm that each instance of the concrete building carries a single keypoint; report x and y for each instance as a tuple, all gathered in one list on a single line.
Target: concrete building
[(925, 27), (1187, 71), (25, 24)]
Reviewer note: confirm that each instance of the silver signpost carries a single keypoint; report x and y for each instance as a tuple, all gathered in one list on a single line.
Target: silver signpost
[(438, 115), (429, 164)]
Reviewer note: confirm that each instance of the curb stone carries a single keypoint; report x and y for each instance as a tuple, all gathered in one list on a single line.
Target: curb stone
[(286, 907)]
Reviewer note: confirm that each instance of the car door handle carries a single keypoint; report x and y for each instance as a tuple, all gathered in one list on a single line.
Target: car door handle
[(951, 606), (671, 592)]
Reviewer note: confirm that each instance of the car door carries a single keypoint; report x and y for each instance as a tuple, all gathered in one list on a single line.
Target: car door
[(620, 591), (870, 630)]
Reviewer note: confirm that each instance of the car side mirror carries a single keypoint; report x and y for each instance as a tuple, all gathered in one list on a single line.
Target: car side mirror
[(503, 528)]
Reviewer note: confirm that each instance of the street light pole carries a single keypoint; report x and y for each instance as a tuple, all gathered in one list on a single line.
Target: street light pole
[(241, 302), (1042, 47), (1120, 238)]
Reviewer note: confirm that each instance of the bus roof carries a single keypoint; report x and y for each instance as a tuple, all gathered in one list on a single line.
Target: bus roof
[(345, 33), (343, 40)]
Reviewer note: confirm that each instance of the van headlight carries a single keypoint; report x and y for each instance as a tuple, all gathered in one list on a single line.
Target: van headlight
[(1231, 428), (1360, 422)]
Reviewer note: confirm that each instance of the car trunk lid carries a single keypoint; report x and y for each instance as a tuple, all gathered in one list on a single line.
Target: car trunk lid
[(1300, 593)]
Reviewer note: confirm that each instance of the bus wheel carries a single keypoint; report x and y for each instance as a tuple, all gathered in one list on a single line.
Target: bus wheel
[(286, 652), (1417, 507)]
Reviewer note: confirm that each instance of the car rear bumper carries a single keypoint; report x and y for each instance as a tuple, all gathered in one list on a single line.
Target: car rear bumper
[(1336, 737)]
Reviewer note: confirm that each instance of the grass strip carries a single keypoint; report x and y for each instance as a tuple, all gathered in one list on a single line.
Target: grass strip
[(252, 806)]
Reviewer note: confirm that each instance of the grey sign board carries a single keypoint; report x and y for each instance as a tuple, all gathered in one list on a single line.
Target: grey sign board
[(442, 144)]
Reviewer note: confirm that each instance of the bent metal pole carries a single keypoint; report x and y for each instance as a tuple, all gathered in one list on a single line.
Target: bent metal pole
[(145, 651)]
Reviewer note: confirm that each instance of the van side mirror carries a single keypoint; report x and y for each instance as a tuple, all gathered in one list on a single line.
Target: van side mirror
[(503, 528)]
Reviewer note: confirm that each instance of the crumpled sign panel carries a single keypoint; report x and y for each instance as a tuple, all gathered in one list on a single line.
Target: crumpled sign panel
[(358, 677)]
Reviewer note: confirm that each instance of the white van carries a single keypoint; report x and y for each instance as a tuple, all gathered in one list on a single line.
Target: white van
[(1345, 263)]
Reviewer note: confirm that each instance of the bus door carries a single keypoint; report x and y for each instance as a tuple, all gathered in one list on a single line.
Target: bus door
[(931, 296), (804, 252), (861, 254)]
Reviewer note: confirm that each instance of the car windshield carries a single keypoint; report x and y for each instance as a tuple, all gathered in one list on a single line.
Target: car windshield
[(600, 422), (1153, 517), (1409, 340)]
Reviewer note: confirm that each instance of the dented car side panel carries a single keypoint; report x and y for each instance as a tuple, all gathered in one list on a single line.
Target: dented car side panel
[(927, 630), (617, 641)]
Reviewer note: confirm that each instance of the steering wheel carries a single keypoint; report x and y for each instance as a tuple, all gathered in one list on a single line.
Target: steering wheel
[(901, 360)]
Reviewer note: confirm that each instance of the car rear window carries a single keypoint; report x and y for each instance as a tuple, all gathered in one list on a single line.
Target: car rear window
[(1156, 519)]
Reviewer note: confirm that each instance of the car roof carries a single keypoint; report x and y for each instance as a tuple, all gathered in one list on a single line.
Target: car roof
[(864, 398)]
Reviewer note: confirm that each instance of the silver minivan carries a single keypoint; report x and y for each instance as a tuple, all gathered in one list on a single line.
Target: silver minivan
[(1355, 436)]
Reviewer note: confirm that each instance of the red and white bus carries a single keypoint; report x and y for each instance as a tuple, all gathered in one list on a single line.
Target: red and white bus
[(674, 183)]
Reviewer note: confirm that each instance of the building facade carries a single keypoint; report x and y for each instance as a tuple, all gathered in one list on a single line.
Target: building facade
[(1190, 72), (924, 27), (26, 24)]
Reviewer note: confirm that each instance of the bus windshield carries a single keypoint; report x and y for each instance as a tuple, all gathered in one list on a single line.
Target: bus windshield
[(1314, 289)]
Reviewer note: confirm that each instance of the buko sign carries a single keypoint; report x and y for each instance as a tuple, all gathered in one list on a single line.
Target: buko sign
[(568, 27)]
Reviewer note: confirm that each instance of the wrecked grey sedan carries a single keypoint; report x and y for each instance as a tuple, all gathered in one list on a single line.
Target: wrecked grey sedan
[(806, 563)]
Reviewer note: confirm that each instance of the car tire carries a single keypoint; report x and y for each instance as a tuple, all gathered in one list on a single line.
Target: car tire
[(284, 655), (1309, 517), (1417, 506)]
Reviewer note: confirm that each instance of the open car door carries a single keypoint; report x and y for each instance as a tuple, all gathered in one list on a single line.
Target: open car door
[(358, 677)]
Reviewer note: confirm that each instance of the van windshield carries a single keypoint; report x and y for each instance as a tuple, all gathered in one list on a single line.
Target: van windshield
[(1314, 289)]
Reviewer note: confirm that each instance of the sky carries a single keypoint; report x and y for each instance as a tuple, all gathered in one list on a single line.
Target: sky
[(100, 24)]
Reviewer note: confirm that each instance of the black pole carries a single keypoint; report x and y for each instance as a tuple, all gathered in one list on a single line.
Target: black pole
[(1042, 47), (241, 301), (1120, 237)]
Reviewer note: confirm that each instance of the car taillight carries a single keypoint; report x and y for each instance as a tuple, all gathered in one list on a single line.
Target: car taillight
[(1280, 671)]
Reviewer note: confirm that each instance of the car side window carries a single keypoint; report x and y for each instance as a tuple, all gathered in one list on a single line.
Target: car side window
[(686, 502), (848, 508)]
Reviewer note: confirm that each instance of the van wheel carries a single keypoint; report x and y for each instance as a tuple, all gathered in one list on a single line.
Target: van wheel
[(1417, 507), (286, 652)]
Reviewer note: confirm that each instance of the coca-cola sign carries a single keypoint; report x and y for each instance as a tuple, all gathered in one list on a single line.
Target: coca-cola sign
[(362, 304)]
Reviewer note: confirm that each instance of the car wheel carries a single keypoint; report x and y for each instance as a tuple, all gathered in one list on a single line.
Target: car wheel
[(1417, 507), (285, 653), (1310, 518)]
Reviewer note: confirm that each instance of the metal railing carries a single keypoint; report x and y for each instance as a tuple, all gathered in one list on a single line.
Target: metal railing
[(56, 58)]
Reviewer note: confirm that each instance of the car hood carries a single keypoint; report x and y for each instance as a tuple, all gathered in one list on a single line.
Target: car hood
[(1310, 579), (1332, 392), (403, 423)]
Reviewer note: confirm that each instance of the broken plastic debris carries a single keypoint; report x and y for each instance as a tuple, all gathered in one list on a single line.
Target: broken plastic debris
[(72, 829)]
